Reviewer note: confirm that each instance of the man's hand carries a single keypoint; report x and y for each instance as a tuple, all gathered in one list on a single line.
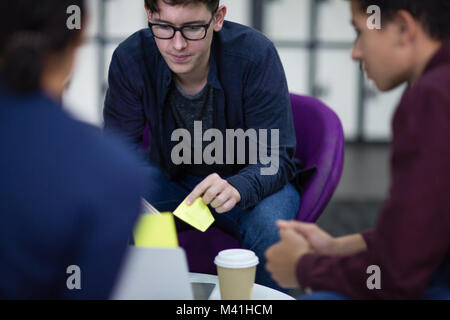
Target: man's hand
[(320, 241), (217, 192), (282, 257)]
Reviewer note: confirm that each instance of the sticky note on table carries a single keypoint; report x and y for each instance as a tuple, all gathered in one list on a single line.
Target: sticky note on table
[(156, 231), (196, 215)]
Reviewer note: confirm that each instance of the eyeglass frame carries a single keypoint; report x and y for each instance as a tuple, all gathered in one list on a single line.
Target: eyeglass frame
[(175, 29)]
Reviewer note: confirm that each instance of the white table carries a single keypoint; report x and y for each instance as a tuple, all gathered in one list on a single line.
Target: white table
[(259, 292)]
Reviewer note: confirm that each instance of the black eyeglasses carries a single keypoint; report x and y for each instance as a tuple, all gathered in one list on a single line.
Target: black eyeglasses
[(191, 32)]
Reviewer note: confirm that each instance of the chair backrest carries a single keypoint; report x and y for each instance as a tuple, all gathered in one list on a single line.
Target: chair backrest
[(320, 144)]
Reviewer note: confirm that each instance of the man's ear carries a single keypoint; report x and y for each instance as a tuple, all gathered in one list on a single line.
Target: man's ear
[(407, 27), (220, 18), (148, 12)]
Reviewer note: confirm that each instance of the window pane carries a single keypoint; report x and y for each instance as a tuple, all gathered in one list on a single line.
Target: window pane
[(238, 11), (337, 79), (295, 63), (287, 19), (82, 97), (334, 21), (124, 17), (92, 22)]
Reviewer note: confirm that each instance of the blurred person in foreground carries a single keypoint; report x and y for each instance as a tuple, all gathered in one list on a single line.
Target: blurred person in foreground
[(69, 197), (409, 248)]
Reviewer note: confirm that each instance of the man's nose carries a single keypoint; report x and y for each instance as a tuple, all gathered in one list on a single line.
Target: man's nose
[(356, 51), (179, 42)]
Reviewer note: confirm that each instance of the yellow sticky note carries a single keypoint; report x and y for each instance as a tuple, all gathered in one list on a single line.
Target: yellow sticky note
[(157, 231), (196, 215)]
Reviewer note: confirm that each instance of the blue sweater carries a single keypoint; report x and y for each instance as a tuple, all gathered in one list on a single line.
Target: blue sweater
[(250, 92), (68, 196)]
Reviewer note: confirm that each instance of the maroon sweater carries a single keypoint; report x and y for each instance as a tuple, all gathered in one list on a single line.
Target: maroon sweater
[(412, 236)]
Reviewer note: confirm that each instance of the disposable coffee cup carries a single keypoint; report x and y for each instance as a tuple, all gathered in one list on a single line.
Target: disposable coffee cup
[(236, 269)]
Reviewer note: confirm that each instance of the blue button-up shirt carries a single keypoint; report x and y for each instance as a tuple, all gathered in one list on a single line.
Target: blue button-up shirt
[(250, 92)]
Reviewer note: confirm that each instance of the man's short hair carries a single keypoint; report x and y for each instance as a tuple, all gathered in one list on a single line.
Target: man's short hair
[(152, 5), (434, 15)]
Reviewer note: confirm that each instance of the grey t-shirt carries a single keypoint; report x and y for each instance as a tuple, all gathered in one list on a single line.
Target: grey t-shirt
[(186, 110)]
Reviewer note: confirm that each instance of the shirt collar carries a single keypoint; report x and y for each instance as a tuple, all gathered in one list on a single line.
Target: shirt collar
[(442, 57), (213, 79)]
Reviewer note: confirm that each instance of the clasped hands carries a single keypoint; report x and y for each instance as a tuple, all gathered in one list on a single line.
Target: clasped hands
[(296, 240)]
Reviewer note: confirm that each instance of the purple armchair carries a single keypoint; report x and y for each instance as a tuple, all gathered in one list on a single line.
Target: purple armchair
[(321, 145), (320, 139)]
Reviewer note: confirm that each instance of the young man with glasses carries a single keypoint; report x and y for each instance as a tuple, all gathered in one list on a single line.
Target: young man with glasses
[(191, 65)]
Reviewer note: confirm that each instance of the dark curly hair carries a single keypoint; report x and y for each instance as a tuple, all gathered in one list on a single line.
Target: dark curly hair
[(434, 15)]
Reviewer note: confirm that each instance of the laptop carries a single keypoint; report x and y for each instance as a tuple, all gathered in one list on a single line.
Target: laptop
[(153, 274)]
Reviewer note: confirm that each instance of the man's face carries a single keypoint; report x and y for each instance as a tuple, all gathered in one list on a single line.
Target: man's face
[(383, 56), (184, 57)]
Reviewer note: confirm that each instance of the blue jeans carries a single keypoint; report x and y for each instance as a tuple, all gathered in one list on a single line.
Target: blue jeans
[(439, 288), (254, 228)]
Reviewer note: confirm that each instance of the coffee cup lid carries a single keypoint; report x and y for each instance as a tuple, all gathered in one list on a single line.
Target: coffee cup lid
[(236, 259)]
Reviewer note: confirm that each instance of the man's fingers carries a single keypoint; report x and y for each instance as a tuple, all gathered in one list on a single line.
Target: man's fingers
[(215, 192), (283, 224), (300, 227), (197, 192), (292, 237), (214, 189), (200, 189), (221, 199), (227, 206), (269, 267), (286, 233), (269, 252), (304, 228)]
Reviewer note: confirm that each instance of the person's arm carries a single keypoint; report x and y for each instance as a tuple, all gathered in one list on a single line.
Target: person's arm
[(123, 110), (409, 241), (267, 106), (349, 245)]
